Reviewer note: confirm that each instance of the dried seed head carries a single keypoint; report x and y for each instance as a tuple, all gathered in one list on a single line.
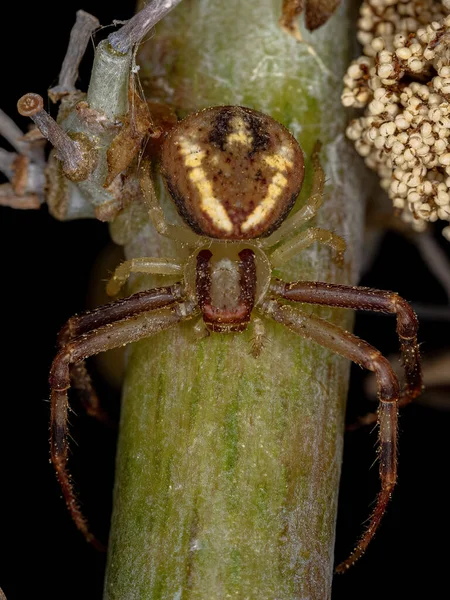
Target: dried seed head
[(404, 133), (76, 152), (30, 104)]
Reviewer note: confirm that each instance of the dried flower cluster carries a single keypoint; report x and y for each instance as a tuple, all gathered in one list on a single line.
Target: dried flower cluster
[(403, 83)]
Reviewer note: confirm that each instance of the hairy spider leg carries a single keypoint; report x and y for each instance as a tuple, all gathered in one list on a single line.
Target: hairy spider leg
[(150, 266), (80, 324), (179, 233), (306, 238), (121, 309), (367, 299), (259, 337), (81, 381), (109, 327), (306, 212), (348, 345)]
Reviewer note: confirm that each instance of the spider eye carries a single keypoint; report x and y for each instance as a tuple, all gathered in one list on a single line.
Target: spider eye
[(234, 173)]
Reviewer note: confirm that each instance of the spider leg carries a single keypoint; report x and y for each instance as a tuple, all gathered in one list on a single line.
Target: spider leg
[(154, 266), (363, 298), (259, 337), (109, 327), (292, 247), (310, 208), (120, 309), (200, 331), (81, 381), (99, 317), (348, 345), (175, 232), (79, 376)]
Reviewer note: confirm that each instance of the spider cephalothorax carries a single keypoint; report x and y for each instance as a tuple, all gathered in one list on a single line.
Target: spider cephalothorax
[(234, 174)]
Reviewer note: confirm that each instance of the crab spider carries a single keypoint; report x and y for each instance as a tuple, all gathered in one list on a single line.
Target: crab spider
[(234, 175)]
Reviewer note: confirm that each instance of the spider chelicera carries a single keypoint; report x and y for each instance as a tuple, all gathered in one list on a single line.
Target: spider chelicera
[(234, 175)]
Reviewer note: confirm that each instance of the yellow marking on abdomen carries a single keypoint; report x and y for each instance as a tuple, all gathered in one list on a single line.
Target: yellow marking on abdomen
[(208, 203), (194, 160), (239, 132), (241, 138), (278, 162), (188, 147), (262, 211)]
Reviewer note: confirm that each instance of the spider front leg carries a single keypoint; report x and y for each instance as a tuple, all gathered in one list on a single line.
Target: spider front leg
[(348, 345), (108, 327), (306, 238), (150, 266), (368, 299), (111, 313)]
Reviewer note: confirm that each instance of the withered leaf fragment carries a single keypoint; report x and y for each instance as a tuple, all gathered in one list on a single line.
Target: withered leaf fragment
[(126, 144), (290, 12), (317, 13)]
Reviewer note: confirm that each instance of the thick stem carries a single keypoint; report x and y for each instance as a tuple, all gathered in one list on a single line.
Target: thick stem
[(228, 465), (108, 88)]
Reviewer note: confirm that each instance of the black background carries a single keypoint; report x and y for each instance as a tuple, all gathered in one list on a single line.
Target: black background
[(45, 271)]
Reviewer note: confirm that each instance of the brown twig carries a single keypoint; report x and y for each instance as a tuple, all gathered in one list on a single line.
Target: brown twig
[(80, 35), (6, 162), (11, 133), (138, 26), (74, 156), (9, 198), (435, 259)]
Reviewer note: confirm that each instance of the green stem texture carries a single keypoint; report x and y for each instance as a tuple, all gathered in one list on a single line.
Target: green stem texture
[(228, 465)]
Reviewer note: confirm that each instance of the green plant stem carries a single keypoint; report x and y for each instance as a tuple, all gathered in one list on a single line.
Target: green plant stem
[(228, 466)]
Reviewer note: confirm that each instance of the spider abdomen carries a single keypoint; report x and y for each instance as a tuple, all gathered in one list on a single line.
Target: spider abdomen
[(234, 173)]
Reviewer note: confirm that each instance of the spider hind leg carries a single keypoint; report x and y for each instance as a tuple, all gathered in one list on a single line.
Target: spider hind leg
[(348, 345), (108, 327)]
